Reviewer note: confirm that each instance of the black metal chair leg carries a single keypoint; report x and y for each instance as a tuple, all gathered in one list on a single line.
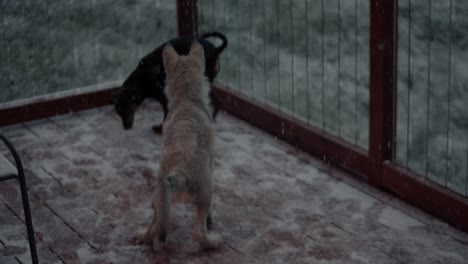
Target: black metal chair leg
[(27, 218), (24, 198)]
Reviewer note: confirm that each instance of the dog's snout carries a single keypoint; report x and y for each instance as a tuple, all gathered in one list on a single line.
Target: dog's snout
[(127, 125), (128, 120)]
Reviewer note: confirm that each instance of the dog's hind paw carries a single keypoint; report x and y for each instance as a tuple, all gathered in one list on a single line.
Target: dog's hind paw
[(142, 239), (157, 129), (209, 222), (212, 241), (158, 245)]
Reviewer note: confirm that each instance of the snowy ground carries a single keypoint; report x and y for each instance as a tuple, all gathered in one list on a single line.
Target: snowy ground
[(90, 190)]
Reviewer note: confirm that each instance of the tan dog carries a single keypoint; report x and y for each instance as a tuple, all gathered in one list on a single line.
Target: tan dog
[(188, 148)]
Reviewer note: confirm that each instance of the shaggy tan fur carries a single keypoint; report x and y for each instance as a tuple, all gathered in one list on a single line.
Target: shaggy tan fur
[(188, 148)]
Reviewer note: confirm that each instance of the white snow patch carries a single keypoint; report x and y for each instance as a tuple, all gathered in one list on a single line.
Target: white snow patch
[(397, 220), (358, 258), (290, 206), (343, 191), (84, 253)]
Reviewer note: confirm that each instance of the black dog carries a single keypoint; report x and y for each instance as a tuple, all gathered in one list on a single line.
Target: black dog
[(149, 77)]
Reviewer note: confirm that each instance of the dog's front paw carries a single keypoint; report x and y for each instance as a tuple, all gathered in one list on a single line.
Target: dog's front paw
[(157, 129)]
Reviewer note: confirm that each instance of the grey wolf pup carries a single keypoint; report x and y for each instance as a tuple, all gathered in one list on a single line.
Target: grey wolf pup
[(188, 149)]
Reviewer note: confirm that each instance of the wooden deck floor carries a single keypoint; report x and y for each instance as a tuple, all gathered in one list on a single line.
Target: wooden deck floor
[(90, 187)]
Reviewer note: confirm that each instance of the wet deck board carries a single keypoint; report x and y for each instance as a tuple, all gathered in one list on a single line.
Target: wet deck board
[(91, 184)]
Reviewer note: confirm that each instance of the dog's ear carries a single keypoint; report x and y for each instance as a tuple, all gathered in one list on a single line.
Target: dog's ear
[(169, 57), (197, 52)]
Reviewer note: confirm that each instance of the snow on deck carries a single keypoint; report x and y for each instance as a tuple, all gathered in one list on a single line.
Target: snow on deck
[(90, 189)]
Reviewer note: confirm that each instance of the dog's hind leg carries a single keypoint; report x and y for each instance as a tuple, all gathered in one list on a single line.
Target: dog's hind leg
[(215, 102), (162, 205), (157, 231), (147, 237), (169, 187), (209, 220), (208, 240)]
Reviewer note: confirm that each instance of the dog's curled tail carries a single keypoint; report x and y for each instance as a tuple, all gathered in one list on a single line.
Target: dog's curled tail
[(217, 35)]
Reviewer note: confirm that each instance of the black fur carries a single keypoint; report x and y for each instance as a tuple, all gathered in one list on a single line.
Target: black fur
[(148, 79), (163, 236)]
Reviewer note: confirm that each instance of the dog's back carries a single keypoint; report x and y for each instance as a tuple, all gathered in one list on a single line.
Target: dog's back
[(189, 134)]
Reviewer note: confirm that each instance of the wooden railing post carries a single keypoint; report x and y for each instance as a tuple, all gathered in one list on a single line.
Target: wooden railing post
[(383, 50), (187, 22)]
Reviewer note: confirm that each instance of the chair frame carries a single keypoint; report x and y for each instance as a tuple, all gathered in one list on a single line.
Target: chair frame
[(24, 196)]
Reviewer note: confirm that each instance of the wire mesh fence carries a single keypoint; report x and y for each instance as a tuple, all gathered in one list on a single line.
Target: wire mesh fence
[(432, 119), (49, 46), (310, 60), (306, 58)]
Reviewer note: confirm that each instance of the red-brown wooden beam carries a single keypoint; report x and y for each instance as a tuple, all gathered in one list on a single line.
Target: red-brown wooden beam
[(426, 195), (383, 50), (53, 107), (187, 17), (294, 131)]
